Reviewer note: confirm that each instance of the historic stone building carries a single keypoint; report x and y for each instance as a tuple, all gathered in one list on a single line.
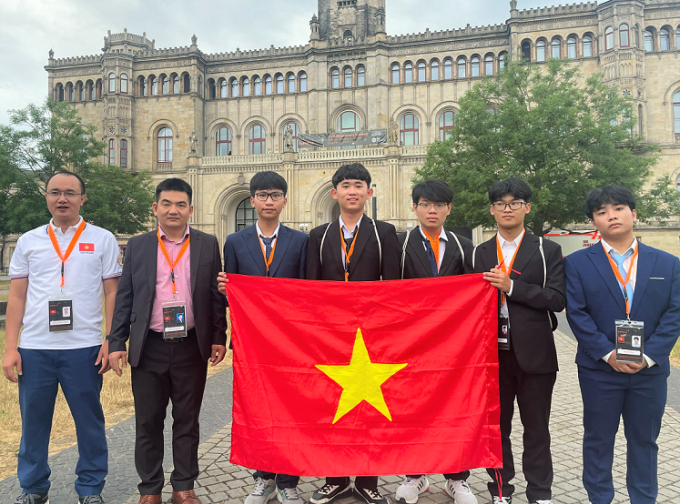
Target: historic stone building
[(216, 119)]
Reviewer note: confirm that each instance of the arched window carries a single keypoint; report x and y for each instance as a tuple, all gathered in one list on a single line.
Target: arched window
[(187, 83), (279, 84), (166, 85), (361, 76), (571, 48), (257, 139), (112, 83), (90, 89), (335, 78), (587, 46), (557, 48), (462, 67), (347, 35), (223, 141), (123, 153), (502, 59), (296, 133), (175, 84), (302, 81), (488, 64), (676, 113), (81, 91), (98, 87), (112, 152), (245, 215), (141, 86), (347, 77), (164, 151), (257, 86), (624, 40), (60, 93), (291, 83), (408, 130), (234, 87), (608, 38), (223, 88), (540, 50), (649, 41), (71, 93), (526, 50), (421, 71), (434, 70), (245, 82), (664, 40), (395, 73), (212, 93), (348, 122), (677, 38), (636, 36), (474, 66), (267, 85), (408, 73), (448, 68), (446, 124)]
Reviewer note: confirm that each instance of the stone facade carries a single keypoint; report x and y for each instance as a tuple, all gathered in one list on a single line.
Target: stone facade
[(147, 102)]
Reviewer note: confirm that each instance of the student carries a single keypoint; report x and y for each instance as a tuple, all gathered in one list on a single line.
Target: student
[(267, 248), (352, 248), (429, 251), (529, 273), (617, 280)]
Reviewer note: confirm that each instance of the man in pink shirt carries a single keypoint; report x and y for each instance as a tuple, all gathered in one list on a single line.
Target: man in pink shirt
[(170, 310)]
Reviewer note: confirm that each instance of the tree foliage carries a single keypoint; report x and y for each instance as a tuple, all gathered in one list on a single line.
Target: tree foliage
[(562, 135)]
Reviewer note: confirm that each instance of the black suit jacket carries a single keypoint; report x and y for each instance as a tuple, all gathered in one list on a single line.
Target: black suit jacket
[(414, 261), (531, 307), (137, 291), (365, 265)]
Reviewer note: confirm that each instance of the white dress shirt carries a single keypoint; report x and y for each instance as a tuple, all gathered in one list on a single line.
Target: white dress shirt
[(508, 248), (347, 234), (443, 239)]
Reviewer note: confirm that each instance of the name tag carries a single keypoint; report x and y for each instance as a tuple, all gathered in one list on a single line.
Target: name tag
[(60, 313), (174, 320), (630, 341), (504, 337)]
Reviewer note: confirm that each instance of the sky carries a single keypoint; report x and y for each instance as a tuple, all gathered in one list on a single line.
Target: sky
[(30, 28)]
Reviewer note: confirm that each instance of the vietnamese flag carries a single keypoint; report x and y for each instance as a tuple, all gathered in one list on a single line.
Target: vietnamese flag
[(86, 247), (365, 378)]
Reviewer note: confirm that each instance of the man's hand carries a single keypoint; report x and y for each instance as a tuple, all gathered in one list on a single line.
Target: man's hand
[(114, 358), (217, 353), (12, 360), (222, 283), (625, 367), (103, 358), (497, 278)]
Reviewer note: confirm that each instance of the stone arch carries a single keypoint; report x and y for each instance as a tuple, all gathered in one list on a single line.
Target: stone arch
[(244, 131), (211, 131), (225, 208), (332, 125), (291, 117), (321, 203)]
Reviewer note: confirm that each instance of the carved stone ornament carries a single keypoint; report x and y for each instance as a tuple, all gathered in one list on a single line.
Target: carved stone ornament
[(193, 139), (393, 132), (288, 139)]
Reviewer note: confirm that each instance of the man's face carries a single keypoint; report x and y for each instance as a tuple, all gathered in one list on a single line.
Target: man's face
[(268, 203), (431, 214), (64, 198), (173, 210), (352, 195), (614, 220), (507, 217)]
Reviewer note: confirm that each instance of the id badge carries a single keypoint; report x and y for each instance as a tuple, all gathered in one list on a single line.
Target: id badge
[(174, 320), (630, 341), (60, 313), (504, 337)]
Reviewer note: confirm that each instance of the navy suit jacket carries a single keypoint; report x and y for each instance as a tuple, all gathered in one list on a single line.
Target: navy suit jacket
[(595, 300)]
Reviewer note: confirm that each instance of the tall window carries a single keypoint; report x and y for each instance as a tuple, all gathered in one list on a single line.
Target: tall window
[(408, 130), (587, 46), (448, 69), (571, 48), (348, 122), (557, 48), (488, 64), (335, 78), (164, 145), (540, 50), (223, 141), (223, 88), (112, 83), (291, 83), (408, 73), (446, 124), (175, 84), (664, 40), (348, 77), (256, 139), (246, 86), (234, 87), (649, 41), (279, 84), (461, 68), (257, 86), (609, 38), (302, 78), (526, 50), (166, 85), (624, 40), (434, 70), (71, 93), (502, 58), (676, 113), (187, 83), (112, 152), (123, 153), (474, 66), (245, 215), (267, 85), (81, 92), (90, 88), (395, 73), (123, 83), (361, 76), (296, 133), (421, 71), (60, 93)]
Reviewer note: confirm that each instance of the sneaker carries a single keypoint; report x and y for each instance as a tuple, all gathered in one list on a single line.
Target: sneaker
[(263, 491), (371, 496), (460, 492), (328, 493), (411, 488), (288, 496), (502, 500), (91, 499), (542, 501), (29, 498)]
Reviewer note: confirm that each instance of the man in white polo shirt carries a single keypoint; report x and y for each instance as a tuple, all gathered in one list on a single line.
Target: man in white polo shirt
[(58, 273)]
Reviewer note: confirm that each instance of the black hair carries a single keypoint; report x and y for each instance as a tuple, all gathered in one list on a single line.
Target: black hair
[(516, 187), (173, 184), (353, 171), (436, 191), (262, 181), (82, 182), (613, 194)]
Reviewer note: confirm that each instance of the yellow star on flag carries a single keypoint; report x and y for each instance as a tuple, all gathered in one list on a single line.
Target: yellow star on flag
[(361, 380)]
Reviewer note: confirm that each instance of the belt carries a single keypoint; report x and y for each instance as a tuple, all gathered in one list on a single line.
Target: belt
[(191, 333)]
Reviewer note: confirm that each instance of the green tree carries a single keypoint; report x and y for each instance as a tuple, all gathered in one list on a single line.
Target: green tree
[(561, 135)]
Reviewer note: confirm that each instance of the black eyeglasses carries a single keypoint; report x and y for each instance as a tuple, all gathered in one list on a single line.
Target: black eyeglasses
[(264, 196), (514, 205)]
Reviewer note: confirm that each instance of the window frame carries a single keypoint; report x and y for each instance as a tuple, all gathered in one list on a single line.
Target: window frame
[(649, 37), (448, 69), (461, 63), (609, 38), (257, 143), (434, 70), (408, 72), (302, 82), (572, 45), (347, 76), (556, 46), (123, 153), (664, 35), (164, 137), (587, 42), (413, 132), (219, 141), (245, 87), (541, 51), (112, 83), (624, 32), (395, 74), (123, 83), (290, 81), (442, 127), (112, 152), (489, 65), (475, 67), (361, 76)]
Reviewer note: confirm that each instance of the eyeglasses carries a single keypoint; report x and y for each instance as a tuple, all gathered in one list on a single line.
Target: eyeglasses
[(438, 206), (264, 196), (514, 205), (54, 193)]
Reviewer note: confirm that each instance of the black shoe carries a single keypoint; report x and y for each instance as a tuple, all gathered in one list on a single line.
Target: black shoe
[(371, 496), (328, 493), (91, 499), (28, 498)]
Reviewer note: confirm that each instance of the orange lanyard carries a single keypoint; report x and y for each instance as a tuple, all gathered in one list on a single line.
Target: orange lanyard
[(170, 263), (434, 242), (348, 255), (507, 270), (268, 262), (71, 245), (617, 273)]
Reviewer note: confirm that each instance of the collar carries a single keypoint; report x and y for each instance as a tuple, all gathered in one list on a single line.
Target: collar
[(342, 224), (514, 242), (442, 234), (69, 230), (608, 248), (164, 236), (260, 233)]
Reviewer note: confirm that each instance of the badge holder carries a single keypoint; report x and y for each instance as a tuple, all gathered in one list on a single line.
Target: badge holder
[(630, 341), (504, 335), (60, 313), (174, 321)]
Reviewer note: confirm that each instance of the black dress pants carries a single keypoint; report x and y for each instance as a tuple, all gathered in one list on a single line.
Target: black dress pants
[(366, 482), (168, 371), (534, 399)]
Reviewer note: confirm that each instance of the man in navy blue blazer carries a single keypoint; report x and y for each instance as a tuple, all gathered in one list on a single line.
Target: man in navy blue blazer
[(267, 248), (597, 296)]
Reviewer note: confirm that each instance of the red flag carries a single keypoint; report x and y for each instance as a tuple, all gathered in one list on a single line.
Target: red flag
[(86, 247), (364, 378)]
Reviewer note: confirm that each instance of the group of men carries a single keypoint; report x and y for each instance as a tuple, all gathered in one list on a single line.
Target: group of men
[(165, 315)]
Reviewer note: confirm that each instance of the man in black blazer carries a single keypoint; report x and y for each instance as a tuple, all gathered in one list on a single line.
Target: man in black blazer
[(529, 273), (172, 312), (352, 248)]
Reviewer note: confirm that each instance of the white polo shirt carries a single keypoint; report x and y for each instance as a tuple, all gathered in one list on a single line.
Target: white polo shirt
[(93, 260)]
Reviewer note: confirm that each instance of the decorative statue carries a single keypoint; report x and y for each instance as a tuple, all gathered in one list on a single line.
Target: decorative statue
[(193, 139), (288, 139), (393, 132)]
